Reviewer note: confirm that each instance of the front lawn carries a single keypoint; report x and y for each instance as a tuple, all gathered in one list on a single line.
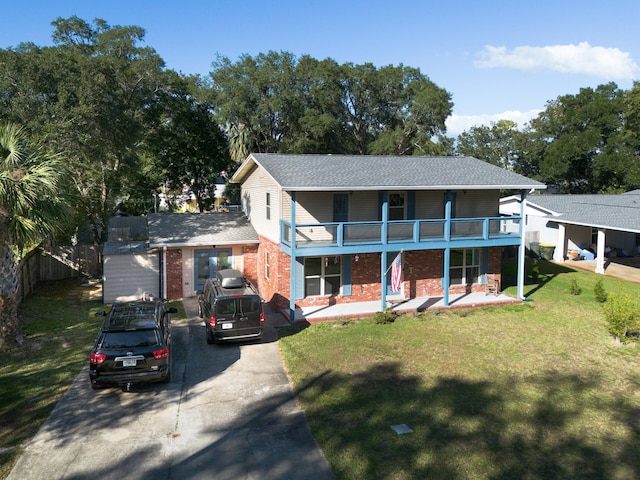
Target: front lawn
[(536, 390), (60, 326)]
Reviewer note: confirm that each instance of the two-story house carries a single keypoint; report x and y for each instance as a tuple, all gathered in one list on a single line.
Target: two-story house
[(330, 226)]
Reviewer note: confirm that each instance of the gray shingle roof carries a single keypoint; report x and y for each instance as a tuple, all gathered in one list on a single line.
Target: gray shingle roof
[(125, 248), (199, 229), (374, 172), (614, 212)]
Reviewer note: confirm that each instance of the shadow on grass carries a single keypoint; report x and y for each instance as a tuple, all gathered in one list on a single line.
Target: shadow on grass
[(537, 272), (471, 429)]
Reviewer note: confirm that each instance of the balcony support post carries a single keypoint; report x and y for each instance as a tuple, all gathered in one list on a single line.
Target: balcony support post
[(292, 269), (383, 255), (447, 250), (523, 206)]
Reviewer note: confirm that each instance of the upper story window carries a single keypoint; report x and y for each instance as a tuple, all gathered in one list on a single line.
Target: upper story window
[(397, 206), (268, 204)]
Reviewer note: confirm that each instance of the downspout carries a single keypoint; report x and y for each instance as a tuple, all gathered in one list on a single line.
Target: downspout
[(383, 254), (164, 273), (523, 219), (292, 267), (447, 250)]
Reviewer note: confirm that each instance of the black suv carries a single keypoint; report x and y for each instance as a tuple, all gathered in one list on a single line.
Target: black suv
[(231, 308), (132, 346)]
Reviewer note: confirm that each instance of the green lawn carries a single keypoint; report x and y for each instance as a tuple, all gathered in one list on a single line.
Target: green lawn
[(60, 327), (536, 390)]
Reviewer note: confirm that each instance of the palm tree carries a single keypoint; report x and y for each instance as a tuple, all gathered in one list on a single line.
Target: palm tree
[(239, 142), (31, 209)]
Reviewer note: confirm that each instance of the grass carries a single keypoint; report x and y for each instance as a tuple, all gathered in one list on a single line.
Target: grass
[(59, 326), (535, 390)]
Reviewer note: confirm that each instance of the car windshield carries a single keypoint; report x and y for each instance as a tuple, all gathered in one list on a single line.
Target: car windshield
[(138, 338)]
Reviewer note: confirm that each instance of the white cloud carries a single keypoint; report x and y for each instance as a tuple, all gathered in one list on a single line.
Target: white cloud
[(608, 63), (456, 124)]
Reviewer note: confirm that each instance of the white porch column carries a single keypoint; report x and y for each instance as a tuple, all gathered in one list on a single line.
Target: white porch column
[(521, 261), (600, 251), (558, 254)]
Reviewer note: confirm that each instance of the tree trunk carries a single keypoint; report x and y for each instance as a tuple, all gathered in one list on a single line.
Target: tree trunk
[(9, 328)]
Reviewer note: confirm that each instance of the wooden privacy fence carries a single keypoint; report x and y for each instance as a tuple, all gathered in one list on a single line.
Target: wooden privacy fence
[(56, 263)]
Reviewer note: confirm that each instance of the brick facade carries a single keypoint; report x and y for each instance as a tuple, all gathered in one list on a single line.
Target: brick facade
[(422, 274), (250, 262), (174, 273)]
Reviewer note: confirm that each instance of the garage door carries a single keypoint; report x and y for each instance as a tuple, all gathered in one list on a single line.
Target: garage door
[(128, 276)]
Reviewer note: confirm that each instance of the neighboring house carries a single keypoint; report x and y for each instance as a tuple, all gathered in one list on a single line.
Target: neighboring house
[(170, 255), (605, 224), (330, 226)]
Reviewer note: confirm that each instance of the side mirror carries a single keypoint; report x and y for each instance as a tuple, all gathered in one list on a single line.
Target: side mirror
[(101, 313), (172, 310)]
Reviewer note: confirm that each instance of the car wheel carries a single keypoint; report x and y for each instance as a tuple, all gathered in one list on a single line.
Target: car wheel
[(210, 338), (95, 386)]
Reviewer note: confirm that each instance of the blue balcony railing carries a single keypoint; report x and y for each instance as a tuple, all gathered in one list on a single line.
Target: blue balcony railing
[(417, 232)]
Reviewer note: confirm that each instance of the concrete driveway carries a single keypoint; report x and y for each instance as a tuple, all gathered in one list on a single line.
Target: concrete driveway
[(228, 413)]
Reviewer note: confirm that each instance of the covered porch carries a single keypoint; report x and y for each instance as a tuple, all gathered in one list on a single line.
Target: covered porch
[(313, 314)]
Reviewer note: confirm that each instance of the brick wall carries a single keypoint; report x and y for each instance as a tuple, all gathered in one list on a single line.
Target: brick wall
[(250, 261), (422, 274), (274, 289), (174, 274)]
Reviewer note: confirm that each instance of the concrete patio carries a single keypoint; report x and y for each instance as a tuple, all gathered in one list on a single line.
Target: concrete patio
[(367, 309)]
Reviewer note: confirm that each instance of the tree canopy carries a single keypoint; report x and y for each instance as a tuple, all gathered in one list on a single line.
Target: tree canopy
[(283, 104), (128, 126)]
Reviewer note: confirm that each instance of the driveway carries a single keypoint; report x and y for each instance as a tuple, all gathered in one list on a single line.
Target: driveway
[(229, 412)]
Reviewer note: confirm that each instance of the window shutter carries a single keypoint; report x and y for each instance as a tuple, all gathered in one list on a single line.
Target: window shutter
[(299, 278), (411, 205), (346, 275)]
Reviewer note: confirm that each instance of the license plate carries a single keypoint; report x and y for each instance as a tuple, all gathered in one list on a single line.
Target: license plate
[(226, 326), (129, 363)]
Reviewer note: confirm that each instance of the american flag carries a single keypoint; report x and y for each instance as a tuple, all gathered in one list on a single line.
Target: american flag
[(396, 273)]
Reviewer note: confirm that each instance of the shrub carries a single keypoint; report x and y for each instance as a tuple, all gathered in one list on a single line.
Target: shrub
[(575, 288), (622, 315), (388, 316), (599, 291)]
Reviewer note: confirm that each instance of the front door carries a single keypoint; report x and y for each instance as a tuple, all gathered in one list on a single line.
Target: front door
[(208, 261)]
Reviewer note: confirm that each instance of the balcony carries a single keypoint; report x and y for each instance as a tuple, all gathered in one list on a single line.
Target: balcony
[(360, 237)]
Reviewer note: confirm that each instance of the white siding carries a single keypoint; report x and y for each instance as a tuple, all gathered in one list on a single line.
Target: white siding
[(253, 197), (363, 207), (311, 207), (429, 205), (127, 277), (477, 203)]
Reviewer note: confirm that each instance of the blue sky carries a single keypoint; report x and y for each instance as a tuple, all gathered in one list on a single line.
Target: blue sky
[(498, 59)]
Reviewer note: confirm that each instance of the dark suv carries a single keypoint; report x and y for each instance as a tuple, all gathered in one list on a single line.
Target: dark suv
[(231, 308), (132, 346)]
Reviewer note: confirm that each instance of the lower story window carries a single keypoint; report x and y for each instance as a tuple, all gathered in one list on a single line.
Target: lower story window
[(322, 276), (464, 268)]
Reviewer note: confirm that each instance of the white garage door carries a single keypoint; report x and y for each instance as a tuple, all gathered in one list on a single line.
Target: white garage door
[(128, 276)]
